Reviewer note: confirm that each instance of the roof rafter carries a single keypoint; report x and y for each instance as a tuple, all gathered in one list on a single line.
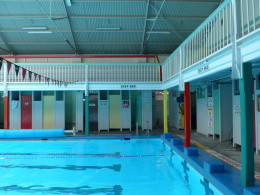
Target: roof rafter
[(86, 42), (72, 35), (59, 17), (5, 42), (96, 31), (50, 18), (145, 23)]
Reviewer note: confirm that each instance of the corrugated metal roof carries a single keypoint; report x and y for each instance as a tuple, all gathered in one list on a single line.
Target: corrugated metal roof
[(98, 27)]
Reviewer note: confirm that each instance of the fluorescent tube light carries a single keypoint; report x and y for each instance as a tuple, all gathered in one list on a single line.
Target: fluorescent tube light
[(39, 32), (108, 28), (34, 28), (68, 3), (159, 32), (150, 19)]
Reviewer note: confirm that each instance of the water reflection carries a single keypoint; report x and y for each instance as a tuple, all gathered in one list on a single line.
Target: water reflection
[(186, 169), (205, 184), (116, 167), (113, 190)]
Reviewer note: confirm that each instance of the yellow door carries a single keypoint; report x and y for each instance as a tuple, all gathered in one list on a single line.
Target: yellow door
[(114, 111), (48, 111)]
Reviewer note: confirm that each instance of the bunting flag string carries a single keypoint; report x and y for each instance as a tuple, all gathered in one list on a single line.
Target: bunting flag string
[(16, 70), (35, 75), (9, 65), (24, 72), (30, 75)]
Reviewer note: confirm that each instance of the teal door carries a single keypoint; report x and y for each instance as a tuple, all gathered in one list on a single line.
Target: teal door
[(216, 109)]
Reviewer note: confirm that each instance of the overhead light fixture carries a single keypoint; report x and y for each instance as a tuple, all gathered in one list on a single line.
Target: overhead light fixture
[(108, 28), (150, 19), (40, 32), (34, 28), (68, 3), (159, 32)]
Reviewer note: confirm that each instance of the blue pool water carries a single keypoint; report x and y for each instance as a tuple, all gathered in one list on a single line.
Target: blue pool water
[(96, 167)]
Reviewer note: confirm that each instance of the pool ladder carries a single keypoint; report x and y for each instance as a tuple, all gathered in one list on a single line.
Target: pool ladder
[(136, 131), (148, 132)]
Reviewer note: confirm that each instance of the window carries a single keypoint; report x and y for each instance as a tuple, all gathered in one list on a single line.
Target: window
[(37, 96), (59, 95), (103, 95)]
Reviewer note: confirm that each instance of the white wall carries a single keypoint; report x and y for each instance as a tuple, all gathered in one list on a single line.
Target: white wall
[(174, 118)]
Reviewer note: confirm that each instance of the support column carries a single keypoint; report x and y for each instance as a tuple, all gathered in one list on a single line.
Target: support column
[(86, 115), (6, 111), (186, 115), (247, 138), (165, 111)]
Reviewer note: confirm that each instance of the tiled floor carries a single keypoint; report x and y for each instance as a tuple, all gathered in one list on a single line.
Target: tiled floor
[(207, 143)]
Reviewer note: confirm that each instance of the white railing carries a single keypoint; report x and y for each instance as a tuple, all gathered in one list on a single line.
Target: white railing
[(95, 73), (213, 34), (124, 73)]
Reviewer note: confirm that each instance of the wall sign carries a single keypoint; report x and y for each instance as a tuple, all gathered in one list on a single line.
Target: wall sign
[(128, 86), (237, 110), (200, 70)]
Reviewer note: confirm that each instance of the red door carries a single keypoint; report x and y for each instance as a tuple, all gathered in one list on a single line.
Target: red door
[(26, 112)]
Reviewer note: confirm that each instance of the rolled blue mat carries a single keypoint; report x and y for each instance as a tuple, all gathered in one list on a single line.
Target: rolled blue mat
[(31, 133)]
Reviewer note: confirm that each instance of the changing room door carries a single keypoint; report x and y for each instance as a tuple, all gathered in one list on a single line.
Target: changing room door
[(93, 112), (26, 112), (114, 111), (48, 111)]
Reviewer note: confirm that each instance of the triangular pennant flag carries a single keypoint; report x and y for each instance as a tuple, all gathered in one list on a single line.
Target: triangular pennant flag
[(1, 63), (23, 72), (17, 68), (9, 65), (35, 76), (30, 75)]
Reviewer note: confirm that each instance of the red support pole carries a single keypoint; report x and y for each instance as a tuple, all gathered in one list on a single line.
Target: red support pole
[(6, 112), (186, 115)]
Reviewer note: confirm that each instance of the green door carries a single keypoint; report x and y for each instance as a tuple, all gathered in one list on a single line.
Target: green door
[(114, 111), (48, 111), (216, 110)]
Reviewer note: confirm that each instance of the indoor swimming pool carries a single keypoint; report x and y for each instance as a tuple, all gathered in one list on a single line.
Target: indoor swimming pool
[(97, 167)]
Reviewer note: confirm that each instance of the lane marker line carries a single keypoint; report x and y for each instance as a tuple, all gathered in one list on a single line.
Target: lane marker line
[(86, 156)]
